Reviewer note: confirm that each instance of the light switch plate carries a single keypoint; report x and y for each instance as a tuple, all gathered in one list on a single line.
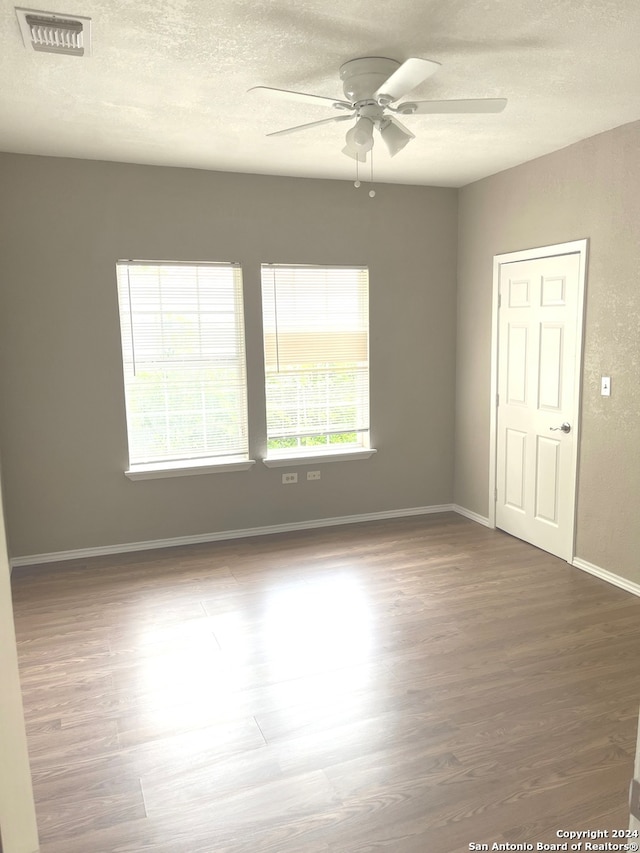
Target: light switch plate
[(605, 386)]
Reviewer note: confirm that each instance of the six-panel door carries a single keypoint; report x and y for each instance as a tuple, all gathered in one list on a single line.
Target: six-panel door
[(537, 381)]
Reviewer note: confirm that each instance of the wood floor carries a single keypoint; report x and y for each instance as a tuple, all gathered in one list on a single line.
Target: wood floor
[(409, 686)]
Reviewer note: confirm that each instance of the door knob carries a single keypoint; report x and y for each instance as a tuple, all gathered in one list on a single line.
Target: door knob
[(566, 427)]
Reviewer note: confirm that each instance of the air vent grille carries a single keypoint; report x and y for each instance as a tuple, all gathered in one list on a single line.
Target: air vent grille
[(52, 33)]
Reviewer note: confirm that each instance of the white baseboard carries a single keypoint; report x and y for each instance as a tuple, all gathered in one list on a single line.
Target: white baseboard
[(473, 516), (83, 553), (605, 575)]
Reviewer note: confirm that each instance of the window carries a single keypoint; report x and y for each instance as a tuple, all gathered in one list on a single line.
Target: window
[(316, 349), (184, 366)]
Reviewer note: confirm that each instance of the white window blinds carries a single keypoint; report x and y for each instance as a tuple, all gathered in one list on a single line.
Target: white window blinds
[(316, 345), (184, 360)]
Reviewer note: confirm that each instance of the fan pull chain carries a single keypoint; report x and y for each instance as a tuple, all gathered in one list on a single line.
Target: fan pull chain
[(357, 180), (372, 192)]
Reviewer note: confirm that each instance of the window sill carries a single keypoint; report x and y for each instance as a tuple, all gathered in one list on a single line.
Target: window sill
[(187, 468), (317, 458)]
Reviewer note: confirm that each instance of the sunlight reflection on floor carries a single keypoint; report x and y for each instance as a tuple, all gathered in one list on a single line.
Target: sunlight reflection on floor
[(311, 642)]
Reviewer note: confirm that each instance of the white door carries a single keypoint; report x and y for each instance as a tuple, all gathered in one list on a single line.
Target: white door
[(539, 323)]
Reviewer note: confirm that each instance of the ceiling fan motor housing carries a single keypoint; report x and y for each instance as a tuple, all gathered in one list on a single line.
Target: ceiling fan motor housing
[(361, 78)]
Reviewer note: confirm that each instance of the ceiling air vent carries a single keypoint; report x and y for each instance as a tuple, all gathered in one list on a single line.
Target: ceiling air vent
[(52, 33)]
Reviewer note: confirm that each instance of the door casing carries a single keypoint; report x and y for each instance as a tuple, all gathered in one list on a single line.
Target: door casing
[(579, 247)]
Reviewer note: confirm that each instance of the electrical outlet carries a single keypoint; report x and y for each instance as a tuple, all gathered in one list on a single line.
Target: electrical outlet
[(313, 475), (290, 478)]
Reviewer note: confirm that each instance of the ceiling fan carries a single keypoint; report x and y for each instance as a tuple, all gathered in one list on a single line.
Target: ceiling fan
[(372, 87)]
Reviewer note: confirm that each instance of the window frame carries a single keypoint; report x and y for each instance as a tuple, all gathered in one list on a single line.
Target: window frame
[(310, 455), (184, 464)]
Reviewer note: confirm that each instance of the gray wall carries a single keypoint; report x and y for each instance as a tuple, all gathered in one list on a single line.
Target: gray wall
[(591, 189), (63, 225)]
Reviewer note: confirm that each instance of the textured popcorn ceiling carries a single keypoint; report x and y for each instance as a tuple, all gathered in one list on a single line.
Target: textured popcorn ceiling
[(167, 82)]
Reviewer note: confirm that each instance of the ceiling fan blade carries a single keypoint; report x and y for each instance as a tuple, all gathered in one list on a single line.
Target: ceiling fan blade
[(411, 73), (310, 124), (469, 105), (301, 96)]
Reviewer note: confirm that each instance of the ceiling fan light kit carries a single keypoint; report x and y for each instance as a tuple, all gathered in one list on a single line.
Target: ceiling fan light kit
[(372, 85), (360, 137), (394, 135)]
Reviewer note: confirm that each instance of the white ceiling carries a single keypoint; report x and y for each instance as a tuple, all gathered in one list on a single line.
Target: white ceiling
[(167, 82)]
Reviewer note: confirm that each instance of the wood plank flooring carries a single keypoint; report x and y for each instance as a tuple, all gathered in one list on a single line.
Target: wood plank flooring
[(409, 686)]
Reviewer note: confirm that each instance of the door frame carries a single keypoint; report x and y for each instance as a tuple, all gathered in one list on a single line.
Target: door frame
[(580, 247)]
